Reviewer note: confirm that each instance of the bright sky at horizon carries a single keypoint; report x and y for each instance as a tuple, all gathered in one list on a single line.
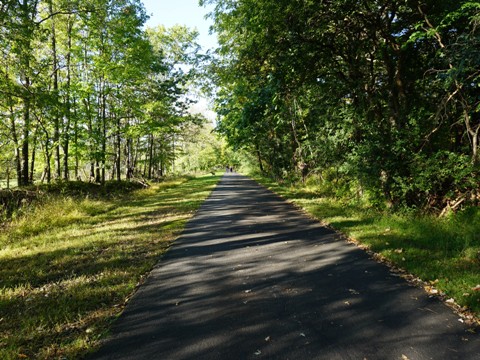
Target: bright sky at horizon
[(189, 13), (183, 12)]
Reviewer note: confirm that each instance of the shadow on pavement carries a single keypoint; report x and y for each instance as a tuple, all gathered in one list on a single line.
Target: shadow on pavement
[(253, 278)]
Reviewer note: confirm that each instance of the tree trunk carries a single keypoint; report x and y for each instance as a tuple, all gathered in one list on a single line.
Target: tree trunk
[(56, 117), (91, 147), (13, 132), (32, 161), (129, 159), (98, 174), (150, 156), (8, 176), (118, 150), (48, 168), (75, 139), (104, 135), (25, 178), (68, 117), (259, 156), (473, 132)]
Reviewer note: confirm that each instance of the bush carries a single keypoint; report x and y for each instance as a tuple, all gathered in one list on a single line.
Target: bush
[(13, 200), (440, 180)]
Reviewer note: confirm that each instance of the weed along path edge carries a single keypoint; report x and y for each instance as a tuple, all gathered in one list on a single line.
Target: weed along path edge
[(252, 277)]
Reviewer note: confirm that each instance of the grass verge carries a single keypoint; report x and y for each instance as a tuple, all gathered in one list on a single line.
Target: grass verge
[(443, 252), (68, 267)]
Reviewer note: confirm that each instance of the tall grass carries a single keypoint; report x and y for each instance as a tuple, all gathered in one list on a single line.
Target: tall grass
[(68, 266)]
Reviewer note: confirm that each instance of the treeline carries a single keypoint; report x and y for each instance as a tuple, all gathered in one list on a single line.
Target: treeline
[(381, 97), (87, 93)]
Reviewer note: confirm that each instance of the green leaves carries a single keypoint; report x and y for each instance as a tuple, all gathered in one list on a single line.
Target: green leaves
[(83, 87), (365, 87)]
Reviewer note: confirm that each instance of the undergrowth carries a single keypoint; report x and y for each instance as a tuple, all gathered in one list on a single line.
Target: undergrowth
[(17, 202)]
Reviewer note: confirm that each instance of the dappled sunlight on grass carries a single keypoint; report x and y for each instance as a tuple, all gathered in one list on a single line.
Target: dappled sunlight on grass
[(443, 251), (67, 269)]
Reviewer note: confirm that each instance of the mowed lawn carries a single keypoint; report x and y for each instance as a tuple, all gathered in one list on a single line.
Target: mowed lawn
[(68, 268)]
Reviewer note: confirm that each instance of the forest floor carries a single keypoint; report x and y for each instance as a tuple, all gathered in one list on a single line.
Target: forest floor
[(253, 277), (69, 262)]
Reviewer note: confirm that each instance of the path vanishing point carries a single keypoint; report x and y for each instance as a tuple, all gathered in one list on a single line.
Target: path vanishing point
[(252, 277)]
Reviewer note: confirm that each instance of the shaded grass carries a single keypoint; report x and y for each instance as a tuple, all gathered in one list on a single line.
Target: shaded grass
[(17, 202), (442, 251), (67, 268)]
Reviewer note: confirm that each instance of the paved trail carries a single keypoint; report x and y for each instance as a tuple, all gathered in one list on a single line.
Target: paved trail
[(253, 278)]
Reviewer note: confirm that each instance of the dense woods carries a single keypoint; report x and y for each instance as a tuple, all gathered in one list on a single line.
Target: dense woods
[(379, 98), (382, 98), (87, 93)]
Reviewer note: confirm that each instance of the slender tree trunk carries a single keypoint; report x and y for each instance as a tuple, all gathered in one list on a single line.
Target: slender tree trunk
[(25, 178), (66, 171), (48, 168), (259, 156), (118, 159), (98, 174), (144, 171), (56, 116), (475, 157), (129, 158), (150, 156), (28, 10), (68, 120), (135, 156), (13, 132), (173, 151), (8, 176), (104, 134), (114, 170), (473, 132), (75, 139), (90, 129), (32, 161)]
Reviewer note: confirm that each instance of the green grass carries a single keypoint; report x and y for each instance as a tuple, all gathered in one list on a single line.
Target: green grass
[(12, 184), (444, 252), (67, 267)]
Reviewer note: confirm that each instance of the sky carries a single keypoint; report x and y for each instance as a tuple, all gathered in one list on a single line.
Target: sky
[(189, 13), (183, 12)]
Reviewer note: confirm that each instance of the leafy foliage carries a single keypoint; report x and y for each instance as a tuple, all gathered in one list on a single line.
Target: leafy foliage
[(86, 92), (385, 93)]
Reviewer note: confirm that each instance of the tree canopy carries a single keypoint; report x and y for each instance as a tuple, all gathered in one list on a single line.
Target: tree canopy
[(382, 94), (87, 93)]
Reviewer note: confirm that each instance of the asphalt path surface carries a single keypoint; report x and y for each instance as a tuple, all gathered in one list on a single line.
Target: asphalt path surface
[(252, 277)]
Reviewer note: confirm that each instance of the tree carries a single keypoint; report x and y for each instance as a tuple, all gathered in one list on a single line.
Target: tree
[(306, 85), (84, 87)]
